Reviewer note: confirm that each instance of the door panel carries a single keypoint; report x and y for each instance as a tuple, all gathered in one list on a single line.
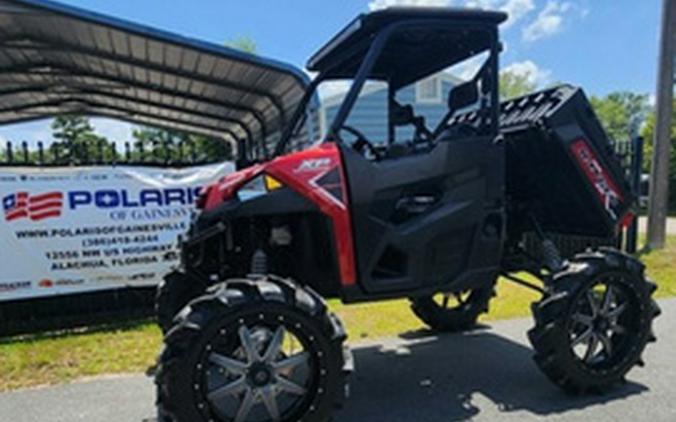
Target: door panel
[(418, 219)]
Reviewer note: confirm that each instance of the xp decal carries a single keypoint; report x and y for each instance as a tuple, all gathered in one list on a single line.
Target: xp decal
[(313, 165)]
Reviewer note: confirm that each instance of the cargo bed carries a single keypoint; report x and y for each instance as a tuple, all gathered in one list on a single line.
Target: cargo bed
[(561, 167)]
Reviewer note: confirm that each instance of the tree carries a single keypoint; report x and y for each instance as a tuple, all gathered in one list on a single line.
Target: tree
[(77, 141), (514, 85), (648, 134), (213, 149), (621, 113), (71, 128), (158, 144), (163, 145), (243, 43)]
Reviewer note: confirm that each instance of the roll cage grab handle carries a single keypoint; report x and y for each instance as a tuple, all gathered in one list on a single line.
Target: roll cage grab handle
[(367, 66)]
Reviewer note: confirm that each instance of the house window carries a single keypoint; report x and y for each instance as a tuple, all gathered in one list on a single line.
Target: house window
[(428, 90)]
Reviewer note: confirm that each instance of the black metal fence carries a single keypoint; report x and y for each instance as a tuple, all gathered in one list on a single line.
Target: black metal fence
[(105, 153), (630, 154), (88, 309)]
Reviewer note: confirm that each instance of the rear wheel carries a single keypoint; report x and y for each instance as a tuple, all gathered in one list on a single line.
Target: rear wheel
[(592, 328), (453, 311), (253, 350)]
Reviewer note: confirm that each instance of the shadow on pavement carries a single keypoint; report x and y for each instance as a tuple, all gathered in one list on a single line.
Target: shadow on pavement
[(456, 377)]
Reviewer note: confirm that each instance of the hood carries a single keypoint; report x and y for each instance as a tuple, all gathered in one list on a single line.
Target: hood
[(299, 171)]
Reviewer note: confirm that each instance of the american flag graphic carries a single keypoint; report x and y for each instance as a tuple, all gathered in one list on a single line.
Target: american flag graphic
[(35, 207)]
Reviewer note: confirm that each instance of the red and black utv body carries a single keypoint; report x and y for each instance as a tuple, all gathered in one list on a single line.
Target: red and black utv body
[(439, 213)]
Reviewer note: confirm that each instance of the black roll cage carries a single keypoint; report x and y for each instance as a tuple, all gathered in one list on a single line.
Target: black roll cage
[(368, 63)]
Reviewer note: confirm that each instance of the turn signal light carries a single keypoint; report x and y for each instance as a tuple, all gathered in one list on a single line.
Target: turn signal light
[(271, 183)]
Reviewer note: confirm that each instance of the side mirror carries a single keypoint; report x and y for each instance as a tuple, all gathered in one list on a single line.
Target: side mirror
[(462, 96)]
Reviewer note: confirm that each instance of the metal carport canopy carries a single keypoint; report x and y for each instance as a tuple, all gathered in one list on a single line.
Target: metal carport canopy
[(56, 59)]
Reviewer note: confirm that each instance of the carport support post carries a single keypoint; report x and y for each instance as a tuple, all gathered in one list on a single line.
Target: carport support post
[(659, 176), (242, 160)]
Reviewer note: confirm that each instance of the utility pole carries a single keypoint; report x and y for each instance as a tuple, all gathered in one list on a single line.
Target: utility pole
[(659, 176)]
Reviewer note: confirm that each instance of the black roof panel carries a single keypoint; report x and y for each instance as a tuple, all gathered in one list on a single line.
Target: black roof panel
[(362, 30)]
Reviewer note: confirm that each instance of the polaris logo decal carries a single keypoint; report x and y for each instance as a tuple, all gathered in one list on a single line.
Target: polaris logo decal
[(51, 204), (603, 184), (112, 198)]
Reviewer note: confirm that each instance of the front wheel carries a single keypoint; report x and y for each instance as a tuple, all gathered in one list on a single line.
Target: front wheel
[(592, 328), (174, 292), (261, 350)]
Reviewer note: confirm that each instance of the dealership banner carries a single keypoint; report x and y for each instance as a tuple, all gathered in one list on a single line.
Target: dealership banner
[(72, 230)]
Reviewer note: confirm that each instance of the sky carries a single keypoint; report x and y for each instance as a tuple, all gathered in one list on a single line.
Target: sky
[(601, 45)]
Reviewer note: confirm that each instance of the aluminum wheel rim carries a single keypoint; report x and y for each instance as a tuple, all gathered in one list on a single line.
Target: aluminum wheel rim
[(263, 373), (456, 300), (602, 324)]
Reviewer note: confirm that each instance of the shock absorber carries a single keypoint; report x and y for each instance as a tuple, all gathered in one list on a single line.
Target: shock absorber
[(259, 259), (259, 262), (551, 256)]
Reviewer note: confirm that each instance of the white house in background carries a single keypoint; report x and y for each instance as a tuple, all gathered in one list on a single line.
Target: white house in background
[(428, 98)]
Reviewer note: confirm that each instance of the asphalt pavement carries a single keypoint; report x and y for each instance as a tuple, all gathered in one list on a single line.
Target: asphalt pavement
[(485, 375)]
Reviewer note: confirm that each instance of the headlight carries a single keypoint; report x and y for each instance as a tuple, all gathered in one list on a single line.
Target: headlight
[(258, 186)]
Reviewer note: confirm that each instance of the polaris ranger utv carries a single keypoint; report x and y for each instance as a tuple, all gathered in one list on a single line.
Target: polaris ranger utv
[(433, 212)]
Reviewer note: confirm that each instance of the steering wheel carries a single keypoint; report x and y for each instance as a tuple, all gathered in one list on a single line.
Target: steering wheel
[(361, 144), (421, 135)]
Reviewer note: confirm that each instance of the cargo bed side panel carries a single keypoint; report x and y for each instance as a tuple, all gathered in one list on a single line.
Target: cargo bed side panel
[(560, 164)]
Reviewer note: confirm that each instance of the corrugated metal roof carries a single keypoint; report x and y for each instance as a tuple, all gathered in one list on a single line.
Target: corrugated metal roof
[(56, 59)]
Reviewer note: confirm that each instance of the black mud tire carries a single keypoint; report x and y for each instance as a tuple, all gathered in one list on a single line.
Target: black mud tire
[(461, 317), (237, 302), (173, 293), (557, 322)]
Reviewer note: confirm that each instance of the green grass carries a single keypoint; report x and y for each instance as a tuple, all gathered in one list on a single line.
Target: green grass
[(662, 268), (51, 359), (54, 359)]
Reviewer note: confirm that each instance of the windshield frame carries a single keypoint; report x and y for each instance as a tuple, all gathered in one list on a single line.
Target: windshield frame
[(367, 65), (297, 116)]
